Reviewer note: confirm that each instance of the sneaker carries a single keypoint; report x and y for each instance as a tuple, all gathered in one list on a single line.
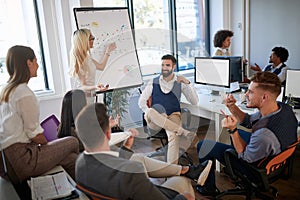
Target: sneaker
[(204, 174), (195, 170), (208, 190)]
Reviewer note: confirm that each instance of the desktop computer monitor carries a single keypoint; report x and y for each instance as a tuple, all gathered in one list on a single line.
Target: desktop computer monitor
[(292, 89), (292, 80), (236, 68), (213, 73)]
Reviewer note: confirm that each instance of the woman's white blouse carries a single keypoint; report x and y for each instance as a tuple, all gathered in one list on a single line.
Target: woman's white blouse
[(89, 75), (19, 117)]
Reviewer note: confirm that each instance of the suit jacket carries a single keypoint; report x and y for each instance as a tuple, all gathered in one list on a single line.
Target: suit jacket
[(118, 178)]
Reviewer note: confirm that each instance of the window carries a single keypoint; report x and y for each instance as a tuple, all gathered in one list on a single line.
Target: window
[(166, 27), (191, 32), (152, 33), (18, 25)]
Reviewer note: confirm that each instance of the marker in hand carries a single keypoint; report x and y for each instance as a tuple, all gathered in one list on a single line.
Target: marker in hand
[(223, 113), (102, 87)]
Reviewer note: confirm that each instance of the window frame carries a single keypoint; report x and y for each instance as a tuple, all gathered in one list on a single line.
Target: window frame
[(40, 38), (173, 27)]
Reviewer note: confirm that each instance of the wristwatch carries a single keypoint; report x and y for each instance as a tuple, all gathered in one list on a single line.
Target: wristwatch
[(232, 131)]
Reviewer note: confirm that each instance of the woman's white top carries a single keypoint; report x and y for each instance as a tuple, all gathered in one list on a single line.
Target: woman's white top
[(19, 117), (88, 75)]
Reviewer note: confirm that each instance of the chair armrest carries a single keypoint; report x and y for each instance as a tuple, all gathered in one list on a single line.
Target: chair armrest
[(186, 117), (92, 194)]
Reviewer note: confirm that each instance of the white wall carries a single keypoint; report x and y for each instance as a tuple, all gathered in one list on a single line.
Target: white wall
[(236, 24), (274, 23), (216, 15)]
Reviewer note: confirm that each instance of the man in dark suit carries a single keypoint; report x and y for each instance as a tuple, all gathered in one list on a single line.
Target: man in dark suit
[(106, 172)]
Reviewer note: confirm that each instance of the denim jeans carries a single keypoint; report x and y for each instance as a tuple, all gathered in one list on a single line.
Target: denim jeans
[(212, 150)]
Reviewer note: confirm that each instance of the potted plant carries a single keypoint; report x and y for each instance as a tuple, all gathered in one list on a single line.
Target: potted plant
[(117, 104)]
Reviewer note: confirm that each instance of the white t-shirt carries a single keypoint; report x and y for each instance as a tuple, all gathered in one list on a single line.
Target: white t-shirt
[(19, 117)]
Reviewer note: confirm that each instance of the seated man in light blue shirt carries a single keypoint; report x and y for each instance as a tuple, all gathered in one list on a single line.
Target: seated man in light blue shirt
[(164, 110), (269, 128)]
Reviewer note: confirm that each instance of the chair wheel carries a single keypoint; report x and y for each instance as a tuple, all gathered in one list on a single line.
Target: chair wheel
[(275, 193)]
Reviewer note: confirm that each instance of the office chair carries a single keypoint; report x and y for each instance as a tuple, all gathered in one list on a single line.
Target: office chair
[(50, 126), (92, 194), (264, 173)]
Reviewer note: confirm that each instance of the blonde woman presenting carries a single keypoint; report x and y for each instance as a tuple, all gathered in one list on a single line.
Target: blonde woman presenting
[(83, 66)]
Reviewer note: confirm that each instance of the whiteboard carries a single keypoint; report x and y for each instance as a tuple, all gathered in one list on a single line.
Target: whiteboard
[(110, 25)]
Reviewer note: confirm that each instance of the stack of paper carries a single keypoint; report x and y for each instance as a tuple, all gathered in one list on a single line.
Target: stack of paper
[(50, 186)]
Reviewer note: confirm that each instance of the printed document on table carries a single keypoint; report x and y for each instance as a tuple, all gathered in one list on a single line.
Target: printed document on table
[(50, 186)]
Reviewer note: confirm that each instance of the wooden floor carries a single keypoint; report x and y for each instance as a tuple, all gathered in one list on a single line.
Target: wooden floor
[(288, 189)]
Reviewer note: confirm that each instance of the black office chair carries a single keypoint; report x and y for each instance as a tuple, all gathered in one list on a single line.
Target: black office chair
[(264, 173)]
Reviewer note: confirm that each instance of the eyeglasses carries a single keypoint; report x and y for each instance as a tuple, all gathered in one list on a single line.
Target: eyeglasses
[(92, 38)]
